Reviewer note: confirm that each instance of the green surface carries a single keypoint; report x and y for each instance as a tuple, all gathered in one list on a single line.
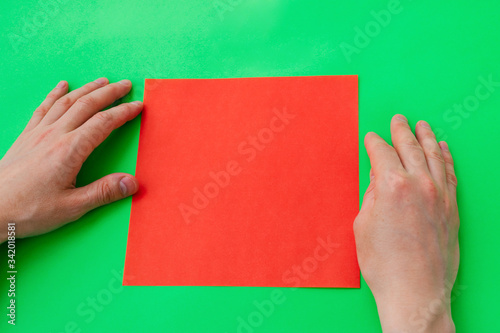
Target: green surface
[(428, 58)]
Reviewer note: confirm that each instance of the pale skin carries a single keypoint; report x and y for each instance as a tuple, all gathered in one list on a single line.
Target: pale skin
[(406, 231), (39, 171)]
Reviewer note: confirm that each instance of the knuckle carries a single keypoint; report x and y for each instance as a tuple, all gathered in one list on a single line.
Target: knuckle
[(427, 132), (69, 154), (400, 125), (104, 117), (41, 110), (104, 193), (84, 146), (417, 158), (370, 188), (435, 155), (127, 112), (449, 205), (92, 85), (87, 100), (65, 163), (398, 182), (113, 90), (357, 226), (412, 144), (116, 88), (128, 107), (451, 178), (64, 102), (429, 187), (448, 159)]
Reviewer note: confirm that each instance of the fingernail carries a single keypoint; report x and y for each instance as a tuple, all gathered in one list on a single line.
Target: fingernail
[(137, 103), (101, 81), (444, 146), (424, 124), (61, 84), (125, 82), (402, 118), (127, 186)]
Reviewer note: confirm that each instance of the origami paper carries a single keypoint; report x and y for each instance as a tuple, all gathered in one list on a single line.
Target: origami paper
[(246, 182)]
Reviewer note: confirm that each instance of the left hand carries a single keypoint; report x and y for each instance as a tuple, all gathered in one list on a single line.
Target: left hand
[(38, 173)]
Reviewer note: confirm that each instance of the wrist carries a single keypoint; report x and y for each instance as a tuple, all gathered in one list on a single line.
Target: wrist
[(416, 314)]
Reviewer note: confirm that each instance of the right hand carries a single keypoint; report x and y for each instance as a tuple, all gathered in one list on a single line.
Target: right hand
[(407, 229)]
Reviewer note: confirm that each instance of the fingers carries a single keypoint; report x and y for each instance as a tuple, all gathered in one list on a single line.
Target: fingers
[(432, 152), (104, 191), (59, 91), (451, 178), (63, 104), (383, 157), (93, 132), (90, 104), (409, 150)]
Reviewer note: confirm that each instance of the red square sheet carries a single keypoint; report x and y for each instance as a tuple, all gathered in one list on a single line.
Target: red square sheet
[(246, 182)]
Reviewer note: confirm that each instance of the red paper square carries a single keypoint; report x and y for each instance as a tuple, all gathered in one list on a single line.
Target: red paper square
[(246, 182)]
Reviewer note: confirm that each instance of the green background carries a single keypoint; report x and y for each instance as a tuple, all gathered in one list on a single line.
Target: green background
[(429, 57)]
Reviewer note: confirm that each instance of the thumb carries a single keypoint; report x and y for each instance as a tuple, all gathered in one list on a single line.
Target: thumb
[(370, 193), (107, 190)]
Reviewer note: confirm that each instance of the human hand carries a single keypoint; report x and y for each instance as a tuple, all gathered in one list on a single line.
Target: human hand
[(407, 229), (38, 173)]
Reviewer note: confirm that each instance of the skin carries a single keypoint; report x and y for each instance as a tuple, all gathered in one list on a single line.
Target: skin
[(406, 231), (39, 171)]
